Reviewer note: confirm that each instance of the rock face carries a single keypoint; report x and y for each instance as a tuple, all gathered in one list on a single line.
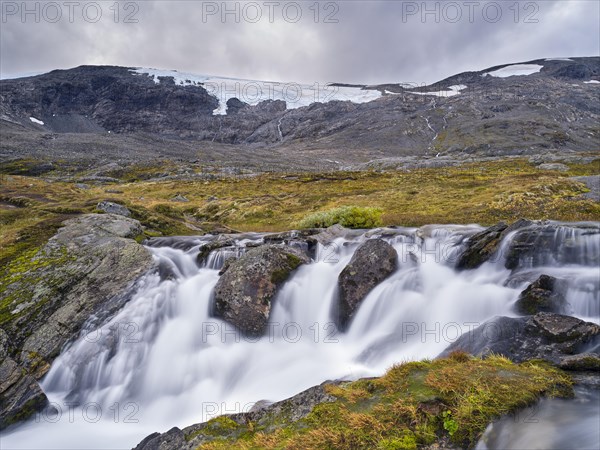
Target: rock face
[(546, 294), (88, 102), (86, 267), (540, 244), (273, 415), (482, 246), (373, 262), (548, 336), (20, 394), (244, 293)]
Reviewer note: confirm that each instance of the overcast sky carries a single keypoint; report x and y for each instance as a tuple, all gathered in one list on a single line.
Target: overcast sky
[(346, 41)]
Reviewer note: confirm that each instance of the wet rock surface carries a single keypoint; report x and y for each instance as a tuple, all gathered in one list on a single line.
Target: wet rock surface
[(244, 293), (543, 336), (546, 294), (87, 266), (372, 262)]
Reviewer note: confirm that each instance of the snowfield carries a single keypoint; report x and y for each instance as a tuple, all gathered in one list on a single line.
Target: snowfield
[(515, 70), (451, 92), (34, 120), (253, 91)]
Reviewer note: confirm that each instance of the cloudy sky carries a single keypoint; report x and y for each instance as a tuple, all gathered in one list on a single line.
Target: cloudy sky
[(345, 41)]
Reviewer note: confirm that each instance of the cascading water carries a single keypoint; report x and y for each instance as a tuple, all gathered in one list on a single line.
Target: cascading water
[(163, 361)]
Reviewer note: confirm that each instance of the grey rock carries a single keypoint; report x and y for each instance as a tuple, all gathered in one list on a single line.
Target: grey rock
[(554, 166), (179, 198), (244, 293), (328, 235), (52, 300), (372, 262), (582, 362), (82, 186), (546, 294), (545, 336), (266, 415), (20, 394), (592, 182), (114, 208)]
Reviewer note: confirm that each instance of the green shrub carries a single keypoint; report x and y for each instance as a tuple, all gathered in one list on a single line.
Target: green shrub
[(347, 216)]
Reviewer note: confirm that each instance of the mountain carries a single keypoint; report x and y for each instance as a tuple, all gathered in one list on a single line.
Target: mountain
[(93, 115)]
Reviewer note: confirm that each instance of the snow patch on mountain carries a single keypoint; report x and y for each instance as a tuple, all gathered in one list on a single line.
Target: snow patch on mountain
[(592, 82), (450, 92), (34, 120), (253, 92), (559, 59), (515, 70)]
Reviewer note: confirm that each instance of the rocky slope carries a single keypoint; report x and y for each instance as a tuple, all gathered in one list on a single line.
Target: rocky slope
[(93, 115)]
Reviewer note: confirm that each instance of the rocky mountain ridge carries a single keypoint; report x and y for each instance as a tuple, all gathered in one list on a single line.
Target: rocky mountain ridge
[(99, 114)]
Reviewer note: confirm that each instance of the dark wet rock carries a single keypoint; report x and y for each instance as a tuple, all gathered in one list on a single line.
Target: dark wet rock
[(546, 294), (266, 415), (58, 289), (243, 295), (482, 246), (208, 247), (172, 439), (114, 208), (549, 243), (543, 336), (372, 262), (20, 394), (582, 362)]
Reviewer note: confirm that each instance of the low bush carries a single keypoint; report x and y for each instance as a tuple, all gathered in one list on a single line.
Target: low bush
[(347, 216)]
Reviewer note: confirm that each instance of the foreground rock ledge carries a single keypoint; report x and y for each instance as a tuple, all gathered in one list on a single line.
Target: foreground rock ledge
[(92, 261), (548, 336), (244, 293)]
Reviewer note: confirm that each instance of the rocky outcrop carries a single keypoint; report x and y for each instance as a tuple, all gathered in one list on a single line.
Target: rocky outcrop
[(271, 416), (86, 267), (548, 336), (551, 242), (482, 246), (546, 294), (372, 262), (20, 394), (244, 293)]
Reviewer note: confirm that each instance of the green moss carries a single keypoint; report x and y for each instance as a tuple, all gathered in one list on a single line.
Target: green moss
[(414, 404)]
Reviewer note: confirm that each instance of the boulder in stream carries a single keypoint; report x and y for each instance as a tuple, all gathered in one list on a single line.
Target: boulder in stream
[(244, 293), (372, 262)]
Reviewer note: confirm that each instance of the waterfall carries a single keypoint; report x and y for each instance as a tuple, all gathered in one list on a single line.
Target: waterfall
[(163, 361)]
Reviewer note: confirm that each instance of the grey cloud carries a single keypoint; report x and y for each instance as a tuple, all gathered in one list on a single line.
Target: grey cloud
[(372, 42)]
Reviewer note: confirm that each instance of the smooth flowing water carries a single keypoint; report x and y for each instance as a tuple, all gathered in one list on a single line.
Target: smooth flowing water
[(163, 361)]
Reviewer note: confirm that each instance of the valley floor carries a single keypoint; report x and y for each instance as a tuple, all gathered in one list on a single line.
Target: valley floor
[(32, 208)]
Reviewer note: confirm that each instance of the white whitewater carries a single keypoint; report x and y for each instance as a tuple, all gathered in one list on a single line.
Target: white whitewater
[(163, 361)]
